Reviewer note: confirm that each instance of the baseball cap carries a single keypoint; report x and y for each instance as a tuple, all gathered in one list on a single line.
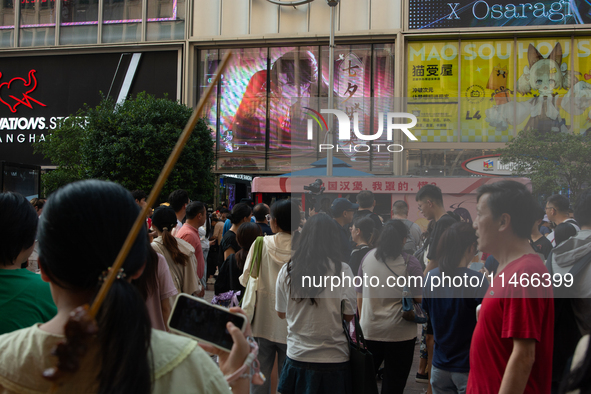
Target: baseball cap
[(341, 205)]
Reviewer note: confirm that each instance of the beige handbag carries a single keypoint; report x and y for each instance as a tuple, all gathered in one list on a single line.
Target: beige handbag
[(249, 300)]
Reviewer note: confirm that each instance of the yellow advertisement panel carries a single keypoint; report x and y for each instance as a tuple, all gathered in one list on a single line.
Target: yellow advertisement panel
[(432, 76), (543, 79), (578, 99), (486, 82)]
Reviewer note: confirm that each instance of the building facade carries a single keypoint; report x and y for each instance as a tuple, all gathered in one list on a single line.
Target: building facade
[(473, 73)]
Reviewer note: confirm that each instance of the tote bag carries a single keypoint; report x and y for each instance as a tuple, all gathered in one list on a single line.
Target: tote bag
[(249, 300), (363, 374)]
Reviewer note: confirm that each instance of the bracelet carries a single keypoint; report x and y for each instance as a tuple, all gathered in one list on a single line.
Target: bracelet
[(244, 371)]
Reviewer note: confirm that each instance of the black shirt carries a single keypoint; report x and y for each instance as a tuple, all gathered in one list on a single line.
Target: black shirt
[(345, 245), (372, 216), (356, 256), (543, 246), (229, 241), (440, 226), (265, 228), (228, 277)]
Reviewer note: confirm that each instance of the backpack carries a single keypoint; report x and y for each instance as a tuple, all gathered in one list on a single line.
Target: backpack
[(566, 329)]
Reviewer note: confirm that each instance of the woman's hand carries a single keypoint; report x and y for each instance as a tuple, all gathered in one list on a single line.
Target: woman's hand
[(230, 362)]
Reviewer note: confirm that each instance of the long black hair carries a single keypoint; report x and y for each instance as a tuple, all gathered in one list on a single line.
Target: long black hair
[(319, 244), (164, 219), (239, 212), (106, 211), (453, 244), (390, 242)]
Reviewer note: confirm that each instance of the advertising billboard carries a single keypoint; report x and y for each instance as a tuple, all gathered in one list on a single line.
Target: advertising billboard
[(37, 91)]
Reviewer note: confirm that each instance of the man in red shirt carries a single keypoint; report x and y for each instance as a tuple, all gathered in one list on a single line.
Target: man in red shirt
[(511, 349), (195, 218)]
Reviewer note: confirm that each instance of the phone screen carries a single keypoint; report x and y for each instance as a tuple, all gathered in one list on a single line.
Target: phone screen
[(204, 321)]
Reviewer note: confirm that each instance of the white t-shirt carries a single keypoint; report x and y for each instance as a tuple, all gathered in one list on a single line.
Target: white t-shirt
[(204, 241), (315, 332)]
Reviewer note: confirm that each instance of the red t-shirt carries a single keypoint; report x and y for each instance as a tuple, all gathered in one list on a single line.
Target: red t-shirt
[(509, 312)]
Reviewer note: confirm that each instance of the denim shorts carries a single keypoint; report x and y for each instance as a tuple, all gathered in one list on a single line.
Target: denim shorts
[(315, 378)]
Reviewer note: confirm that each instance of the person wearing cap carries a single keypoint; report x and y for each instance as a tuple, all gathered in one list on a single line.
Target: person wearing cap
[(343, 211)]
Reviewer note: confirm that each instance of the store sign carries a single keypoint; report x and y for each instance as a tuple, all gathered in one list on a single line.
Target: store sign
[(238, 176), (489, 165), (37, 91), (438, 14)]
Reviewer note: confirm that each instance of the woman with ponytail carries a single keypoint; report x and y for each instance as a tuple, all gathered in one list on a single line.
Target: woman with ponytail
[(81, 232), (179, 254), (364, 234)]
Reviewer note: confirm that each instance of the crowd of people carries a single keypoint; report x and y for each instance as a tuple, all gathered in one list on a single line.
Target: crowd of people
[(505, 321)]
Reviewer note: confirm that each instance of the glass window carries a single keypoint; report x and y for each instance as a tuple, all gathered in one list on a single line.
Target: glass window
[(580, 108), (79, 22), (122, 21), (293, 80), (6, 23), (487, 90), (543, 79), (166, 20), (432, 76), (37, 23), (208, 64)]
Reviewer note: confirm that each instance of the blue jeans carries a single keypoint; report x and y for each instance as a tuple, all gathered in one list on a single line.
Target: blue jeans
[(446, 382), (266, 357)]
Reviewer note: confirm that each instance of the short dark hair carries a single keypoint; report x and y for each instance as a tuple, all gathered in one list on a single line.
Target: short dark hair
[(19, 226), (260, 211), (387, 247), (583, 208), (400, 207), (560, 203), (139, 195), (195, 208), (514, 199), (453, 244), (177, 199), (365, 199), (431, 192), (38, 202)]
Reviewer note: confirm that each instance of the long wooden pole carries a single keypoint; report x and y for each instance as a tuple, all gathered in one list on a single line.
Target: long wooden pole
[(172, 159)]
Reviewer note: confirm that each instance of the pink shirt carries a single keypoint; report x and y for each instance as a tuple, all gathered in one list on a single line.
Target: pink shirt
[(164, 289), (191, 235)]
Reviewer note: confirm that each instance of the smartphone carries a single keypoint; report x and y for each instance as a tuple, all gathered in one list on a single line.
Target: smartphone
[(476, 266), (203, 321)]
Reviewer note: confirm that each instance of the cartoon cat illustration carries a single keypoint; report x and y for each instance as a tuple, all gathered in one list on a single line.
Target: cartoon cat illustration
[(546, 76)]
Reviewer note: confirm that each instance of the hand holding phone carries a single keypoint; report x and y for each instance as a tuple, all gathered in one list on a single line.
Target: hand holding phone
[(205, 322)]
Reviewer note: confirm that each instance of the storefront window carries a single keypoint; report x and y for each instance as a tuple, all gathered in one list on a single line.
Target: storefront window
[(432, 90), (486, 88), (6, 23), (265, 96), (122, 21), (37, 23), (166, 20), (79, 22)]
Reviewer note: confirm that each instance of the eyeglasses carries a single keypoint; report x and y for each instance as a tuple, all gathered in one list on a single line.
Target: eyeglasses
[(549, 208)]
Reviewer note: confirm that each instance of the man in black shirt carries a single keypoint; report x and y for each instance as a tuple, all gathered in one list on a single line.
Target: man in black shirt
[(260, 213), (540, 243), (367, 202), (557, 209), (430, 201), (342, 212)]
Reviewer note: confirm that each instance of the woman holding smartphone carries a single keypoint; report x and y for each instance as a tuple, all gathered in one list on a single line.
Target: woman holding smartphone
[(126, 355)]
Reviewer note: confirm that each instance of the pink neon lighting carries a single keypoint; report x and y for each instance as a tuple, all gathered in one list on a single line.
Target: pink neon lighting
[(109, 22)]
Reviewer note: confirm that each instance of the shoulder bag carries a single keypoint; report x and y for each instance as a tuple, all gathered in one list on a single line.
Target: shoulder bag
[(249, 300), (363, 373), (411, 310)]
